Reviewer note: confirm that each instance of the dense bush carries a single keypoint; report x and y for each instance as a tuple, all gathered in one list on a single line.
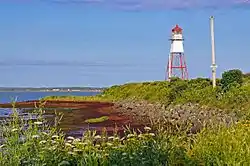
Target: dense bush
[(222, 146), (231, 78)]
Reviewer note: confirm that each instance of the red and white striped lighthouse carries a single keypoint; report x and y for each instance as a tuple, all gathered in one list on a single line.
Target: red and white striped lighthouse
[(176, 63)]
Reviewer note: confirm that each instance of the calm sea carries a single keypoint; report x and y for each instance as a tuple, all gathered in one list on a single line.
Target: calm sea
[(22, 96), (6, 97)]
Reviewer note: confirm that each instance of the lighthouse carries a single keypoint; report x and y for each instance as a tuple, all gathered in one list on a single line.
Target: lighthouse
[(176, 66)]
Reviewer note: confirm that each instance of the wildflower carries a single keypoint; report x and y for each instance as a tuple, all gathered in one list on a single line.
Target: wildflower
[(44, 133), (111, 137), (109, 144), (68, 144), (1, 146), (13, 130), (77, 140), (147, 128), (80, 143), (35, 136), (42, 142), (69, 141), (97, 145), (140, 136), (38, 123), (72, 153), (77, 150), (70, 137), (53, 142), (97, 137), (130, 135), (116, 138), (124, 154), (152, 134), (55, 136)]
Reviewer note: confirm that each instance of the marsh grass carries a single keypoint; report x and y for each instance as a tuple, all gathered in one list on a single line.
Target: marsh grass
[(97, 120)]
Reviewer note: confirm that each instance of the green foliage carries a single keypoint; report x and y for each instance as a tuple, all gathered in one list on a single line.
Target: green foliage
[(231, 78), (232, 92), (222, 146)]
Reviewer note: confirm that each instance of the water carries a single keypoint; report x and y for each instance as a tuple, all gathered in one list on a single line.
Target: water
[(73, 121), (6, 97)]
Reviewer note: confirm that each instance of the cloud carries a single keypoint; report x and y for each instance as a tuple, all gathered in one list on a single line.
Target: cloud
[(160, 4)]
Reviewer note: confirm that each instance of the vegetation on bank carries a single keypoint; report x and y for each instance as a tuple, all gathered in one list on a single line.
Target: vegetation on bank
[(97, 120), (29, 142), (232, 92)]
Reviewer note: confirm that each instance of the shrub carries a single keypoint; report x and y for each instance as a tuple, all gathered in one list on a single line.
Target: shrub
[(231, 78), (222, 146)]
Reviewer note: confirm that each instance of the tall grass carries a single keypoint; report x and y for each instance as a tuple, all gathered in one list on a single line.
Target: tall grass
[(29, 142), (33, 142)]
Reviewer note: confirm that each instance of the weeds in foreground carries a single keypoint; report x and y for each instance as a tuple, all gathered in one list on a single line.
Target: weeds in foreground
[(29, 142), (33, 142)]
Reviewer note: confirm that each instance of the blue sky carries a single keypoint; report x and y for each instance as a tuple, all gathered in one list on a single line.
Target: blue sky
[(101, 44)]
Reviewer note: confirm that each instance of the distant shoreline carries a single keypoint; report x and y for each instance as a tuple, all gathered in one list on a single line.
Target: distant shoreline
[(51, 89)]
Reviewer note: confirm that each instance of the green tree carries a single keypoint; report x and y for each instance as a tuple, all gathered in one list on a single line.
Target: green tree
[(231, 78)]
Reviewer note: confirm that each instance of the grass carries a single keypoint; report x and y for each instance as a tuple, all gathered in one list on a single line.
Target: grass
[(179, 92), (97, 120)]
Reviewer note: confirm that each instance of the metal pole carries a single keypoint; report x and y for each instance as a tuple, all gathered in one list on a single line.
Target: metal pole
[(213, 51)]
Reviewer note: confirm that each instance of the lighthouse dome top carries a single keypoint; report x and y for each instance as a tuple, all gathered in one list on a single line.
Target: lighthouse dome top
[(177, 29)]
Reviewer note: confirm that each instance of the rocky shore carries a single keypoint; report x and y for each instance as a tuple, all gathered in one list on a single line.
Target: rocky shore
[(191, 117)]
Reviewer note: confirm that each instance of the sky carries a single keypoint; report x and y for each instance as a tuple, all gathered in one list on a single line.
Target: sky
[(102, 43)]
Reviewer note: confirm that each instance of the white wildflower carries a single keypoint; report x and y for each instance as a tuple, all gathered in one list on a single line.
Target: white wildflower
[(69, 141), (55, 136), (44, 133), (38, 123), (42, 142), (72, 153), (152, 134), (70, 137), (124, 154), (77, 140), (147, 128), (130, 135), (77, 150), (35, 136), (13, 130), (109, 144), (116, 138), (53, 142), (140, 136), (97, 137), (111, 137), (68, 144)]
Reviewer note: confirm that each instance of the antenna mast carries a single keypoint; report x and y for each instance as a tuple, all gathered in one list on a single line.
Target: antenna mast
[(213, 51)]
